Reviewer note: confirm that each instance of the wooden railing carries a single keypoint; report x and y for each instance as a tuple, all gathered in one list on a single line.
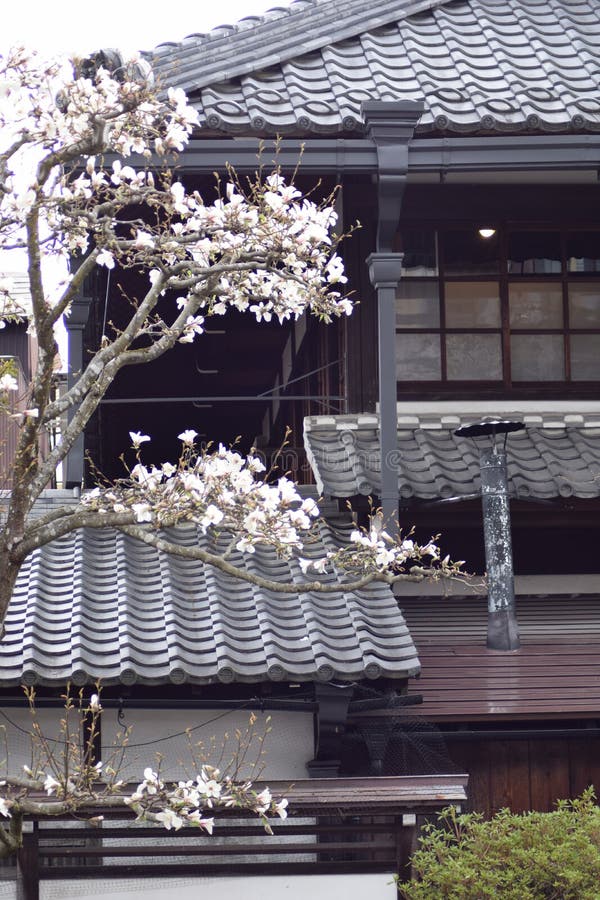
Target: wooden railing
[(344, 826)]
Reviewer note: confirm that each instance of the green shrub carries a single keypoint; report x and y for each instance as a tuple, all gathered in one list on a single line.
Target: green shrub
[(529, 856)]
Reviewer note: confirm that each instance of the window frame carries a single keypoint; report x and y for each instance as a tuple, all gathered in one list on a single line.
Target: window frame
[(503, 278)]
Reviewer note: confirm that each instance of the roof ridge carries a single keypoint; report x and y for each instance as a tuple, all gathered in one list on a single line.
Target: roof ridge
[(230, 50)]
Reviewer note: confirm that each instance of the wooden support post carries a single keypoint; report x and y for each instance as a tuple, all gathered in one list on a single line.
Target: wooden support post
[(406, 843), (28, 873), (75, 324)]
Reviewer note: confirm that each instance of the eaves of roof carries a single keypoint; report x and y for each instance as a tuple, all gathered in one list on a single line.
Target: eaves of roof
[(99, 605), (555, 154)]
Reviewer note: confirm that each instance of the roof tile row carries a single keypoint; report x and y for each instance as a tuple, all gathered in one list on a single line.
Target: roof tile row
[(479, 65), (98, 604), (434, 463)]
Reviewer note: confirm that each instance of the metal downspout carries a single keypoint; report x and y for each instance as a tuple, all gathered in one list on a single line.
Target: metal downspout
[(390, 125)]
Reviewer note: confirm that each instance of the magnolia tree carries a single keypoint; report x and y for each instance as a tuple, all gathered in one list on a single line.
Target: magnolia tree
[(64, 778), (268, 251)]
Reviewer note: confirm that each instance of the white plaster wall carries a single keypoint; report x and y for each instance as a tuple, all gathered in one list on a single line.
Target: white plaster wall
[(272, 887), (15, 737), (287, 747), (286, 750), (8, 889)]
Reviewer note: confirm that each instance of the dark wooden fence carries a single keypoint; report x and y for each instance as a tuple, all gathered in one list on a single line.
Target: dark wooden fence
[(526, 774), (335, 826)]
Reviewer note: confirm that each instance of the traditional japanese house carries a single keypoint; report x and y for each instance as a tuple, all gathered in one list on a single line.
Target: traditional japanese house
[(464, 137)]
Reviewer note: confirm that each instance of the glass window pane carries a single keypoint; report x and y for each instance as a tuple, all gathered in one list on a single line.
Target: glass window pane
[(472, 357), (583, 251), (535, 305), (472, 304), (417, 304), (537, 357), (584, 305), (418, 357), (467, 253), (585, 357), (419, 246), (534, 252)]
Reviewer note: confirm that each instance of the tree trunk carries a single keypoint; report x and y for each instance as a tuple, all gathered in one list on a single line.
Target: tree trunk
[(9, 572)]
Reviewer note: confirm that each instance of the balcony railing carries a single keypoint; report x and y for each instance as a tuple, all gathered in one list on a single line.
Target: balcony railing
[(335, 826)]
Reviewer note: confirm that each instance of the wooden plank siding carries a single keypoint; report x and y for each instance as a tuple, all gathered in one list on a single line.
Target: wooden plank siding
[(526, 774), (555, 673), (531, 760)]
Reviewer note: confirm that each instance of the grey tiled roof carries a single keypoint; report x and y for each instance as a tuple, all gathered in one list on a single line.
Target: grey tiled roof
[(479, 65), (98, 604), (550, 459), (47, 501)]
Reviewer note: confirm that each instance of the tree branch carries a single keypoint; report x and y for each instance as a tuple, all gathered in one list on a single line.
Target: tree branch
[(154, 539)]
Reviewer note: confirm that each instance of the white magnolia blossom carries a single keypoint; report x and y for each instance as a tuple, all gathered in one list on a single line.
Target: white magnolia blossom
[(280, 808), (47, 108), (222, 491), (137, 438), (213, 489), (105, 258), (192, 802), (8, 382), (188, 436), (75, 783), (51, 785), (265, 249)]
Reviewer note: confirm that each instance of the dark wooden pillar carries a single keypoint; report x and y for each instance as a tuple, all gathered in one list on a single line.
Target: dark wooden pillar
[(28, 873), (407, 833)]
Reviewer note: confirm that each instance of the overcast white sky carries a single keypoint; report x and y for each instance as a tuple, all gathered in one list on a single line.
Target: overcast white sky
[(58, 26)]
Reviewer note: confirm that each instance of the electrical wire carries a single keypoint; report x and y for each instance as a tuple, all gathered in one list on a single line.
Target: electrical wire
[(187, 731), (252, 702)]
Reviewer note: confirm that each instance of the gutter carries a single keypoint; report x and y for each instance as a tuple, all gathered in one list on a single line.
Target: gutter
[(482, 153)]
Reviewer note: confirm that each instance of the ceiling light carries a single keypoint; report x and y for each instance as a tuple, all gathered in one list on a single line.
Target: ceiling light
[(487, 232)]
